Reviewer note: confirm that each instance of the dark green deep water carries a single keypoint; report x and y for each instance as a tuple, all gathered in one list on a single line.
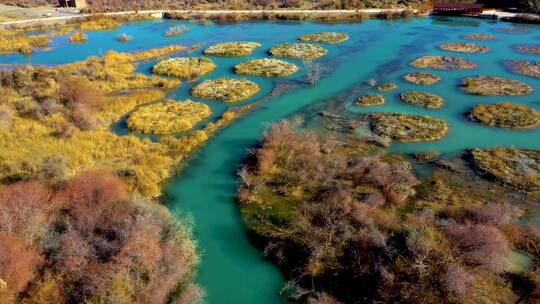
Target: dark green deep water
[(232, 269)]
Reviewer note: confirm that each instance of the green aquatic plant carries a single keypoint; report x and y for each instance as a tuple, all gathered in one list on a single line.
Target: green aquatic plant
[(370, 100), (443, 63), (303, 51), (184, 67), (266, 67), (168, 117), (426, 79), (481, 37), (526, 68), (517, 169), (408, 128), (464, 47), (387, 87), (325, 37), (226, 89), (232, 49), (422, 99), (491, 85), (78, 37), (506, 115)]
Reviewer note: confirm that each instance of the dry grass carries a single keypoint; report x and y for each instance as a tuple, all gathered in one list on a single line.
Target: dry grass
[(226, 89), (266, 67), (408, 128), (232, 49), (443, 63), (303, 51), (491, 85), (506, 115), (184, 67)]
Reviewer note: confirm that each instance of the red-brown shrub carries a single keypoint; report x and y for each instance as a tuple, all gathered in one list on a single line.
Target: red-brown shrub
[(18, 265), (78, 91), (457, 281)]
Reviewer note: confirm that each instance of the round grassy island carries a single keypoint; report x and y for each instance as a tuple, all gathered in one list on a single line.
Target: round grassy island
[(303, 51), (370, 100), (78, 37), (514, 30), (481, 37), (464, 47), (491, 85), (325, 37), (387, 87), (232, 49), (518, 169), (529, 49), (506, 115), (422, 78), (422, 99), (526, 68), (184, 67), (443, 63), (225, 89), (168, 117), (266, 67), (408, 128)]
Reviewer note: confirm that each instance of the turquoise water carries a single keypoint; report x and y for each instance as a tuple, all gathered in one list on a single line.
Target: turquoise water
[(232, 269)]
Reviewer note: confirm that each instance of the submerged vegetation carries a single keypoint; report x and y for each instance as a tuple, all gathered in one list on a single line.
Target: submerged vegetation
[(464, 47), (225, 89), (335, 214), (124, 38), (526, 68), (266, 67), (517, 169), (371, 100), (506, 115), (408, 128), (422, 99), (232, 49), (184, 67), (175, 31), (168, 117), (491, 85), (303, 51), (325, 37), (443, 63), (426, 79)]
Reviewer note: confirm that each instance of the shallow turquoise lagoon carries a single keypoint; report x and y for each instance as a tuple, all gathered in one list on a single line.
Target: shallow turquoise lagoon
[(232, 269)]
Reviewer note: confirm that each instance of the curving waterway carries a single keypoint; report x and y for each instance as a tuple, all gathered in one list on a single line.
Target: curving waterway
[(232, 269)]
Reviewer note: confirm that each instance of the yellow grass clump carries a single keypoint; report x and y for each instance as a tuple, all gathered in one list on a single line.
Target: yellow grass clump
[(116, 107), (226, 89), (78, 37), (25, 44), (168, 117), (184, 67), (506, 115), (232, 49), (266, 67), (98, 24)]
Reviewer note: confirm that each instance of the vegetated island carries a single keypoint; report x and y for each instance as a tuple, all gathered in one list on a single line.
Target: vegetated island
[(335, 213), (370, 100), (422, 99), (491, 85), (266, 67), (464, 47), (529, 48), (325, 37), (481, 37), (526, 68), (184, 67), (387, 87), (232, 49), (421, 78), (226, 89), (443, 63), (303, 51), (506, 115), (408, 128)]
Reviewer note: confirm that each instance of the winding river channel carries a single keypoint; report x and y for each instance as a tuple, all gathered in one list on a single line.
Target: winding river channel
[(232, 270)]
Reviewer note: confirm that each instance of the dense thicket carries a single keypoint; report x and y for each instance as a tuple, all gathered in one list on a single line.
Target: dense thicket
[(349, 222), (89, 242)]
